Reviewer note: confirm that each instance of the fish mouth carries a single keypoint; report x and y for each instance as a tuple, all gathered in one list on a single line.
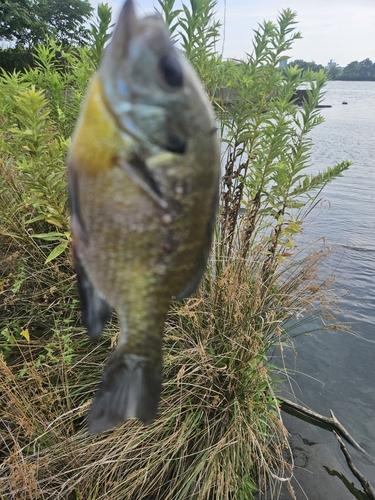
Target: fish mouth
[(115, 92), (144, 108), (127, 28)]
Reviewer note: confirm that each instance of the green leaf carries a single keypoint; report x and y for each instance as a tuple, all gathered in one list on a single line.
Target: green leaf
[(57, 251), (52, 236), (280, 220)]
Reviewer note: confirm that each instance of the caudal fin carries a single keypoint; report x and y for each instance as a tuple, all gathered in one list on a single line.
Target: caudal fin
[(130, 388)]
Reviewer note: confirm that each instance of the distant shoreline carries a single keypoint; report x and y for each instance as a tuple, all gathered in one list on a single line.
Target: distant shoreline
[(352, 80)]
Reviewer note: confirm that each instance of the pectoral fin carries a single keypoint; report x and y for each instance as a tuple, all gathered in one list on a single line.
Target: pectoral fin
[(141, 175)]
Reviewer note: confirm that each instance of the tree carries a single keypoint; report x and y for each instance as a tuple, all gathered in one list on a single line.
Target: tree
[(65, 20), (351, 71), (366, 69), (333, 71), (16, 21), (308, 66), (26, 23)]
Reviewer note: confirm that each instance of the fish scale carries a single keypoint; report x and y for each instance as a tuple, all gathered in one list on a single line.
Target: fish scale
[(143, 189)]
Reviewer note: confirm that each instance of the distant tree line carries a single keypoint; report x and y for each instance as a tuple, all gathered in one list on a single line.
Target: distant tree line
[(27, 23), (363, 70)]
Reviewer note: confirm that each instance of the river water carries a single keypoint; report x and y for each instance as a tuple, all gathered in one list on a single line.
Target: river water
[(336, 369)]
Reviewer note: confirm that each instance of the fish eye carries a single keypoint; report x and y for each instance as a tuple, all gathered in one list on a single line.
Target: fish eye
[(171, 70), (176, 144)]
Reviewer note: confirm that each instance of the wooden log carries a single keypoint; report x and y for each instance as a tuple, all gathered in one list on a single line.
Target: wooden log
[(367, 488), (331, 422), (337, 428)]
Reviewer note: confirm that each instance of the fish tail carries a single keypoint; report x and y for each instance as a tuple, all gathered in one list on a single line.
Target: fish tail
[(130, 388)]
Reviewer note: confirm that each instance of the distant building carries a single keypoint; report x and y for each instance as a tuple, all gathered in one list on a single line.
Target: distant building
[(334, 69), (331, 64), (283, 63)]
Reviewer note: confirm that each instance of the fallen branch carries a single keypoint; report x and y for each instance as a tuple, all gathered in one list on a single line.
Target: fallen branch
[(329, 421), (367, 488)]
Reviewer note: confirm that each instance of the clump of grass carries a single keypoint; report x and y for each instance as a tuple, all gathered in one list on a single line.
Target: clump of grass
[(219, 432)]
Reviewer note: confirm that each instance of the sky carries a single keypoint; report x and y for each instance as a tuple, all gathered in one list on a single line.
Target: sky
[(341, 30)]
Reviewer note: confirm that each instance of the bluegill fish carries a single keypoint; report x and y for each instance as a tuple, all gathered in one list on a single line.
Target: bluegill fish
[(143, 189)]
